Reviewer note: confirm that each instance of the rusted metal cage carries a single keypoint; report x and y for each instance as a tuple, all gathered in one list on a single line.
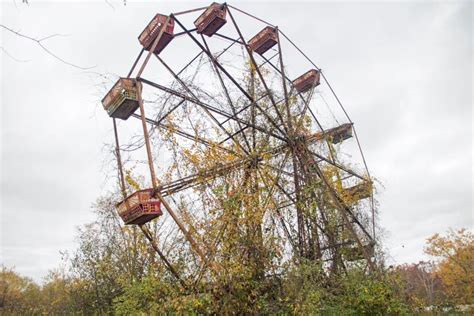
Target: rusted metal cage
[(356, 253), (139, 208), (340, 133), (308, 80), (152, 30), (334, 135), (122, 100), (357, 192), (264, 40), (211, 20)]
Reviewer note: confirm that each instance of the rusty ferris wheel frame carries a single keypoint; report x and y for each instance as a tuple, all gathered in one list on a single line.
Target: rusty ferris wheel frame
[(306, 163)]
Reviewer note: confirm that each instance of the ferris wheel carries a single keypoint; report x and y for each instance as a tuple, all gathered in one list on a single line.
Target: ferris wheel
[(234, 116)]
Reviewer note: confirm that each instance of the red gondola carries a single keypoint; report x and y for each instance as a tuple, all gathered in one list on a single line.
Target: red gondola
[(149, 34), (211, 20), (307, 81), (122, 100), (139, 208), (264, 40)]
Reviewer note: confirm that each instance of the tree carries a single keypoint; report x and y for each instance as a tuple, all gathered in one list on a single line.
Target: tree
[(18, 295), (109, 259), (420, 285), (455, 253)]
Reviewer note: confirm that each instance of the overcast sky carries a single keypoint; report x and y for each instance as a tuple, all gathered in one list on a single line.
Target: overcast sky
[(403, 71)]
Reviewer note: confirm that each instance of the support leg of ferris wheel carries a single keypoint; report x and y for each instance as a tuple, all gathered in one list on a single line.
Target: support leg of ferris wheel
[(143, 228), (186, 233)]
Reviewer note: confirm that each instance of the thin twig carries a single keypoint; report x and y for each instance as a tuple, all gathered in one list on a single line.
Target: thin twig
[(39, 42), (12, 57), (110, 4), (51, 36)]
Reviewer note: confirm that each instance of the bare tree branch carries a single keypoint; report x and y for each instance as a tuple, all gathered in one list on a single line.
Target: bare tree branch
[(109, 4), (40, 43), (12, 57)]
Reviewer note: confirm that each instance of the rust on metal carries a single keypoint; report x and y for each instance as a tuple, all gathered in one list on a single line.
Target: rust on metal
[(309, 176), (264, 40), (139, 208), (308, 80), (340, 133), (335, 135), (211, 20), (122, 100), (152, 30)]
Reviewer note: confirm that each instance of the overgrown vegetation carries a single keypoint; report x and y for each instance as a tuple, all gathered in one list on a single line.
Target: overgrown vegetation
[(120, 275)]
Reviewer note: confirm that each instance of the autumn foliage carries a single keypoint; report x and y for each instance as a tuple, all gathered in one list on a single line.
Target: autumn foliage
[(455, 268), (116, 273)]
